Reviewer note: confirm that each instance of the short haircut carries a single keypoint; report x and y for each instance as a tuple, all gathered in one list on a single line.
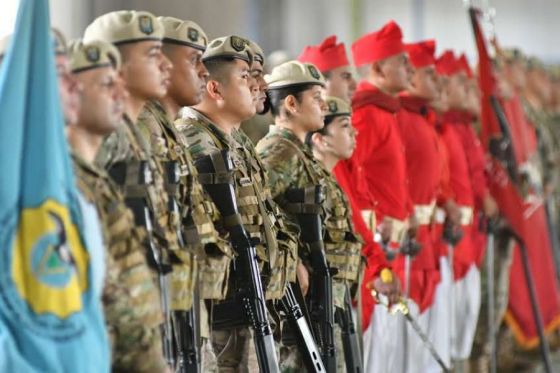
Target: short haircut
[(219, 68), (277, 96)]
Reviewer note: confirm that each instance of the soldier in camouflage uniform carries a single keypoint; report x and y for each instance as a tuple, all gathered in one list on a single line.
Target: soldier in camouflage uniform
[(186, 41), (212, 126), (130, 297), (336, 142), (536, 97), (130, 160), (284, 270), (296, 93)]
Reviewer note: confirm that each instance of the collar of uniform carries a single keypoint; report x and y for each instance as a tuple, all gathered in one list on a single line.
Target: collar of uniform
[(285, 133), (368, 94), (457, 116), (192, 113), (414, 104), (82, 163), (155, 105)]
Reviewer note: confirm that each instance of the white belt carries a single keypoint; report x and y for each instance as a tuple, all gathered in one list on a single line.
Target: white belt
[(398, 229), (424, 213), (467, 214), (369, 219), (439, 215)]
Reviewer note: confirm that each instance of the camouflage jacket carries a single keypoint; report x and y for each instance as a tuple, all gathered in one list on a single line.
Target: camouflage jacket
[(196, 212), (124, 151), (130, 297), (204, 138), (548, 142), (291, 164)]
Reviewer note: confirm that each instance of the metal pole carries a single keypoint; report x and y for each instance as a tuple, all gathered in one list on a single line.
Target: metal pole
[(545, 349), (491, 299)]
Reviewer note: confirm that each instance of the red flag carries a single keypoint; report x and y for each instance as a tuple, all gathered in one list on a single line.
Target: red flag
[(527, 219)]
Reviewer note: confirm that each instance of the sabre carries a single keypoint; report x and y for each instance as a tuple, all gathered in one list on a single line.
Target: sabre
[(402, 307)]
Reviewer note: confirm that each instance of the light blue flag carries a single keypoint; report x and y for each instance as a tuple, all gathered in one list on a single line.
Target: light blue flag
[(51, 254)]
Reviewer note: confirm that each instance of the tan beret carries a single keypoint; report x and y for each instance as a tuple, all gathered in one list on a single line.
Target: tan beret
[(533, 63), (4, 44), (337, 107), (258, 54), (229, 46), (60, 46), (293, 73), (92, 55), (512, 54), (554, 72), (180, 32), (124, 26)]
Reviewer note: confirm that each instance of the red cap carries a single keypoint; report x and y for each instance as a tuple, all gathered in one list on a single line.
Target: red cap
[(378, 45), (326, 56), (464, 63), (422, 54), (447, 64)]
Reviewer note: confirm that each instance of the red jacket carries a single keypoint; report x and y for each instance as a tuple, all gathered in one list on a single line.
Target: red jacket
[(424, 165), (379, 156), (460, 181)]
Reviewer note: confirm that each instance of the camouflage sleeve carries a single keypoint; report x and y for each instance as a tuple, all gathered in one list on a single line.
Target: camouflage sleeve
[(132, 309), (115, 148), (198, 140), (150, 131), (283, 167)]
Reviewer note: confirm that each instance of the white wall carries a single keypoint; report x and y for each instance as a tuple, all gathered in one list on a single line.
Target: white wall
[(291, 24)]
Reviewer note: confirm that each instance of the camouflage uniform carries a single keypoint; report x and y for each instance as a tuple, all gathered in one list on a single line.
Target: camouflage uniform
[(126, 149), (549, 143), (257, 212), (291, 165), (196, 215), (130, 297)]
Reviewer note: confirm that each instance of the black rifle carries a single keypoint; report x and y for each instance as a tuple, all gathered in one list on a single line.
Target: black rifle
[(350, 343), (135, 177), (305, 205), (298, 325), (186, 324), (216, 176)]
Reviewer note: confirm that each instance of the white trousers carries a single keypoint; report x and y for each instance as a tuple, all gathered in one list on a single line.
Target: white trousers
[(391, 345), (466, 303)]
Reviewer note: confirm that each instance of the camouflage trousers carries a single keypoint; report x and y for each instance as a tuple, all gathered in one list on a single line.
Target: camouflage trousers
[(480, 355), (291, 359), (235, 350)]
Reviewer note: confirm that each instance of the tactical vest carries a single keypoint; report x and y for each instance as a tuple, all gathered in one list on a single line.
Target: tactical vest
[(196, 211), (136, 183), (342, 245), (129, 288), (284, 269), (257, 216)]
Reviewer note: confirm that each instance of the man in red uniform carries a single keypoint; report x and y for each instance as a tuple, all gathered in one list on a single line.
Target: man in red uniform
[(466, 288), (331, 59), (424, 165), (378, 171)]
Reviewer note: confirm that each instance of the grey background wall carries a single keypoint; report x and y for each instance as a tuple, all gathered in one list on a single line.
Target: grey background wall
[(532, 25)]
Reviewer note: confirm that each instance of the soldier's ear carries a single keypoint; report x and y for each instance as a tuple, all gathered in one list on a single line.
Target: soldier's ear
[(291, 104), (214, 90), (318, 140)]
